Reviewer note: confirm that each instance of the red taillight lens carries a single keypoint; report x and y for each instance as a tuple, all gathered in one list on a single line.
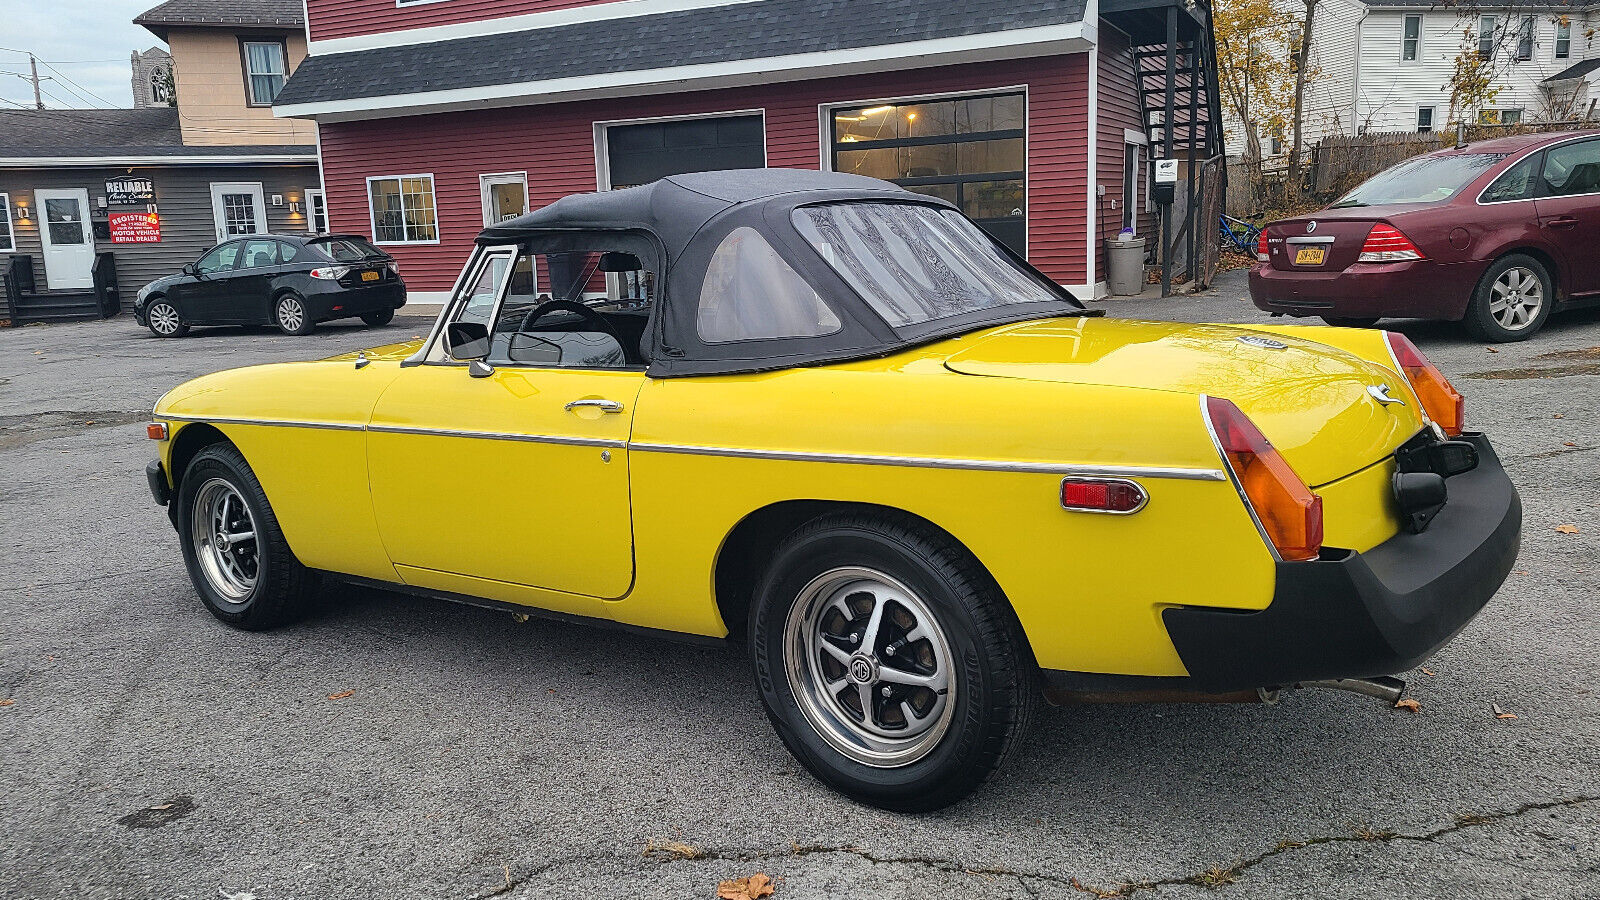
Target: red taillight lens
[(1112, 495), (1385, 243), (1262, 253), (330, 273), (1288, 511), (1440, 400)]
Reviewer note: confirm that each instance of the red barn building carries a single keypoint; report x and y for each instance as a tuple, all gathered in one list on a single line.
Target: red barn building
[(1039, 118)]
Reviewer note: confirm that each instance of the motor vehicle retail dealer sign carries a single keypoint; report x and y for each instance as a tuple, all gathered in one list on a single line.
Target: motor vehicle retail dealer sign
[(135, 228)]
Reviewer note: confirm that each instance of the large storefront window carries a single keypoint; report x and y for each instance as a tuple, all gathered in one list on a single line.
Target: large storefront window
[(971, 151)]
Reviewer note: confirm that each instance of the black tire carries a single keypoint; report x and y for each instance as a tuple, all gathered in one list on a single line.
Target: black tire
[(1487, 323), (289, 313), (996, 688), (378, 318), (1345, 322), (281, 586), (160, 315)]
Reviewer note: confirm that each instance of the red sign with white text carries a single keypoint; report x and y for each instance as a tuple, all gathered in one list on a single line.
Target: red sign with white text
[(135, 228)]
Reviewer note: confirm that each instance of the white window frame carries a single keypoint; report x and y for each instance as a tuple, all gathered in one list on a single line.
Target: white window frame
[(1433, 118), (372, 211), (1494, 25), (219, 219), (825, 134), (487, 180), (249, 86), (11, 232), (1529, 26), (602, 152), (311, 210), (1138, 143), (1556, 44), (1417, 51)]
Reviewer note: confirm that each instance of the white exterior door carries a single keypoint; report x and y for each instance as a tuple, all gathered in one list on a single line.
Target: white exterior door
[(67, 238), (238, 208)]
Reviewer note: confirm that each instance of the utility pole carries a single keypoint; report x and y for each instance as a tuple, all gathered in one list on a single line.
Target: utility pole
[(33, 66)]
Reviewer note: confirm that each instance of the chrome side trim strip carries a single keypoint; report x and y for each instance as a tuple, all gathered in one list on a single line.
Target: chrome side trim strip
[(501, 436), (283, 423), (1310, 239), (933, 462)]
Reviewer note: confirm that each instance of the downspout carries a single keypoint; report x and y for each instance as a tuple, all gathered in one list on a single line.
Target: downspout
[(1092, 206), (1355, 87)]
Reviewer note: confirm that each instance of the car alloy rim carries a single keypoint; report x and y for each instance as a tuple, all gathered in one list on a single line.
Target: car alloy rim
[(870, 667), (290, 315), (224, 536), (164, 318), (1516, 297)]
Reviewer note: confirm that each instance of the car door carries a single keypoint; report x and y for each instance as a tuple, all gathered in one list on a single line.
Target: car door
[(199, 297), (518, 478), (250, 287), (1568, 205)]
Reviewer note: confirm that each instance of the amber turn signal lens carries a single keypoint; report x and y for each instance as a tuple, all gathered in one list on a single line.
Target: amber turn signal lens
[(156, 431), (1440, 400), (1288, 511)]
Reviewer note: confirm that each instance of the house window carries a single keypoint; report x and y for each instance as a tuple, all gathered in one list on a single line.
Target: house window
[(1409, 44), (1499, 116), (8, 241), (1424, 119), (265, 68), (971, 151), (1131, 173), (1525, 39), (1486, 42), (316, 211), (1563, 38), (403, 210)]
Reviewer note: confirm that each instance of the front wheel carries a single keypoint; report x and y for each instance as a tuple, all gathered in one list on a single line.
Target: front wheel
[(889, 662), (378, 318), (237, 556), (163, 320), (1512, 301), (289, 314)]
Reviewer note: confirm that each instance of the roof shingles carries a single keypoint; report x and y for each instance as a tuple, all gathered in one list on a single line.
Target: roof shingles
[(101, 133)]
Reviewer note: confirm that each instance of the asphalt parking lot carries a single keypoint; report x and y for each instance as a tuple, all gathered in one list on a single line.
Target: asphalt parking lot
[(149, 752)]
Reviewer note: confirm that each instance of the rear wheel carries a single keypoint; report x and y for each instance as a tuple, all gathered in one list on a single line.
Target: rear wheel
[(236, 554), (289, 314), (378, 318), (888, 660), (163, 320), (1512, 301), (1345, 322)]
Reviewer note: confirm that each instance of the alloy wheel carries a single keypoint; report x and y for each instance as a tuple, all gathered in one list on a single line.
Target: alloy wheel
[(224, 534), (1516, 298), (164, 319), (870, 667), (291, 315)]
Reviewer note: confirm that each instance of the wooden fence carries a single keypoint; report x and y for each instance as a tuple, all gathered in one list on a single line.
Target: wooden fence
[(1340, 162)]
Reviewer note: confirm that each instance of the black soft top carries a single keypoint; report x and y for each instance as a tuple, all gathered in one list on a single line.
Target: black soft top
[(675, 224)]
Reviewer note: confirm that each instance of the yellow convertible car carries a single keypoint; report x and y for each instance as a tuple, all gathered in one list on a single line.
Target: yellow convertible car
[(834, 419)]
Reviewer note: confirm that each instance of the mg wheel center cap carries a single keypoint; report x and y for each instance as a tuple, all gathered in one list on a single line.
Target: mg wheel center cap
[(863, 670)]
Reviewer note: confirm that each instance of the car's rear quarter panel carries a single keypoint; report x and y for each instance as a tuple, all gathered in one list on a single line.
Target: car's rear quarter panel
[(1088, 588)]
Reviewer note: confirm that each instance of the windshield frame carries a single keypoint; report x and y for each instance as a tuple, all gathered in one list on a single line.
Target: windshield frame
[(1350, 201)]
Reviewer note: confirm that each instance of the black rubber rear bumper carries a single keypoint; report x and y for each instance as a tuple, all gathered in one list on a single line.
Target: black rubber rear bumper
[(1355, 615)]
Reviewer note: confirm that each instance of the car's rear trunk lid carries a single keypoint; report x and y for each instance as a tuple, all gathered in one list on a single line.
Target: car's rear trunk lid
[(1310, 400), (1339, 234)]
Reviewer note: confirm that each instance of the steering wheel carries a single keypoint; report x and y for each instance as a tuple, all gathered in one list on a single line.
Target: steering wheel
[(572, 306)]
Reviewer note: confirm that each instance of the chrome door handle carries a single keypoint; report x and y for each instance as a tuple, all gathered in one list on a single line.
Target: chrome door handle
[(609, 406)]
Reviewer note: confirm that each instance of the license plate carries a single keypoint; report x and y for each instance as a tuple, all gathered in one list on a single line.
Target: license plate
[(373, 276), (1308, 256)]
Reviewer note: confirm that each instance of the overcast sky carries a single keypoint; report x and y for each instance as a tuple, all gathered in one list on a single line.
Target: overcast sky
[(83, 45)]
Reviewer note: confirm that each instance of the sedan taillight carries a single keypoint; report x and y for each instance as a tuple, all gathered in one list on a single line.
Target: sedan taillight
[(330, 273), (394, 267), (1440, 400), (1385, 243), (1262, 253), (1289, 513)]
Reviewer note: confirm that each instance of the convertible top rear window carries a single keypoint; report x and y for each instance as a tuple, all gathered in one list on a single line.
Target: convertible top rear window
[(915, 263)]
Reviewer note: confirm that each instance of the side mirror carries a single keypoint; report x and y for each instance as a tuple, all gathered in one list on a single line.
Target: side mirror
[(189, 269), (467, 341)]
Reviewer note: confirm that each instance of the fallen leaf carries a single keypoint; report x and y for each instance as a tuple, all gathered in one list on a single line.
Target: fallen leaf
[(162, 806), (1522, 571), (1558, 416), (1500, 713), (1570, 444), (1491, 350), (341, 695), (672, 850), (1408, 703), (752, 888), (7, 702), (1567, 529), (1428, 671)]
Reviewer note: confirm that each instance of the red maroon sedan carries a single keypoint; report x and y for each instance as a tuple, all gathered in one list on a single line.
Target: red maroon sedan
[(1495, 234)]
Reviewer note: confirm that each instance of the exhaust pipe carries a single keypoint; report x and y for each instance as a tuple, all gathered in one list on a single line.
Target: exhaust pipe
[(1385, 687)]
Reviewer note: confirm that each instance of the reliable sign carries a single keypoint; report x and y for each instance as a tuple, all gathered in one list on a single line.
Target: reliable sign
[(129, 192), (135, 228)]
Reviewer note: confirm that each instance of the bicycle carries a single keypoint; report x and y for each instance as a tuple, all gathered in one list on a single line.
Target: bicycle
[(1238, 234)]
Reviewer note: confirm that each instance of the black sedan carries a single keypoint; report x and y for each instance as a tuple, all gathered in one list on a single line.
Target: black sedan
[(291, 281)]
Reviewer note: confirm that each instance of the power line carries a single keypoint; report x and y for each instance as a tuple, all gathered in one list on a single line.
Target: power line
[(79, 86)]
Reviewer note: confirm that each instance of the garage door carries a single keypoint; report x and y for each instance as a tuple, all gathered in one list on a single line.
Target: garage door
[(639, 154)]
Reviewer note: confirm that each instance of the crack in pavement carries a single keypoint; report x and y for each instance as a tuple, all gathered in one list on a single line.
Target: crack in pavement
[(1214, 878)]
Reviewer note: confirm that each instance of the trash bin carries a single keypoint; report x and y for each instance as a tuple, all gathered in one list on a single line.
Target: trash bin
[(1125, 264)]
